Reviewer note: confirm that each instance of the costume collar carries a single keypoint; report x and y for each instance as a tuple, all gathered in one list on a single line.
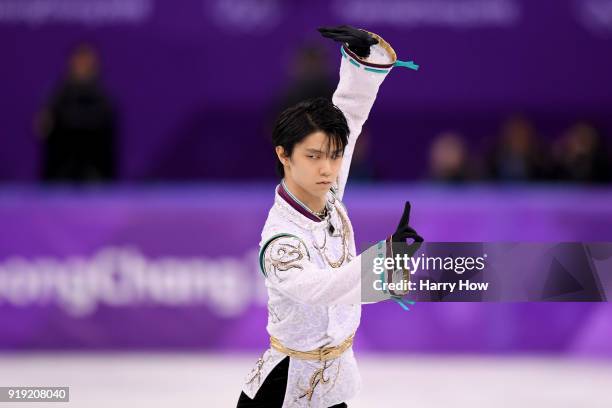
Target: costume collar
[(294, 202)]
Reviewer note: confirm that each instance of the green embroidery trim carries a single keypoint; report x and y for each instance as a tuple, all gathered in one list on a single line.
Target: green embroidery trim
[(378, 71), (343, 52)]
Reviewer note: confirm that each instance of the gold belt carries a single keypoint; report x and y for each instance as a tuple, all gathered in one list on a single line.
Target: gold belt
[(320, 354)]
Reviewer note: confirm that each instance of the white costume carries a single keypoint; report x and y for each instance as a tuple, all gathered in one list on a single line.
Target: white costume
[(313, 275)]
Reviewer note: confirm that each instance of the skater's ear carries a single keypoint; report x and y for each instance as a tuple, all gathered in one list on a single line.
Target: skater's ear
[(280, 152)]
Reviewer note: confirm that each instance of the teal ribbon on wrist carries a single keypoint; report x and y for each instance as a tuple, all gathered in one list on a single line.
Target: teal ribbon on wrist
[(398, 63), (406, 64)]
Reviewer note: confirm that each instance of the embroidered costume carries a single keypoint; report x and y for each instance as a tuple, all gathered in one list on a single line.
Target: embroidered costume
[(312, 272)]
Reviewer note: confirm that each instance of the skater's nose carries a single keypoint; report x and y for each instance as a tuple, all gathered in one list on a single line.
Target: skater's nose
[(326, 167)]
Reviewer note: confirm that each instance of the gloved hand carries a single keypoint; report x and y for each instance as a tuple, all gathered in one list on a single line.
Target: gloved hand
[(405, 231), (399, 246), (358, 41)]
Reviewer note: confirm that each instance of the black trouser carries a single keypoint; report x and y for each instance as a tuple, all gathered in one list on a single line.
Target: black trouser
[(272, 392)]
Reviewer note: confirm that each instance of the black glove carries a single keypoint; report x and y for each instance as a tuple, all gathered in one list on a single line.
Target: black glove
[(358, 41), (405, 231), (401, 247)]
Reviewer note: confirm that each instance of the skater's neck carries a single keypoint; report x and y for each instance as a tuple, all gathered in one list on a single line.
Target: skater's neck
[(313, 203)]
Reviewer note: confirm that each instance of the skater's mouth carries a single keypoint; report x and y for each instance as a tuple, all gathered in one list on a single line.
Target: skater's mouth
[(326, 183)]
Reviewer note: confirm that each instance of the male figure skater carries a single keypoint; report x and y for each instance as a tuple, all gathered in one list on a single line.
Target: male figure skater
[(307, 250)]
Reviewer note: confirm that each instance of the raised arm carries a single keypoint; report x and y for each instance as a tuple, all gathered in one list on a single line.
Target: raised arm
[(363, 68)]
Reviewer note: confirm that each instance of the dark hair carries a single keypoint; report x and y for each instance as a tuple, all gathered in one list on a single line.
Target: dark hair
[(312, 115)]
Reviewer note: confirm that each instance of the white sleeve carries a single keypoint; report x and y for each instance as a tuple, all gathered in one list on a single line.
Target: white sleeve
[(355, 96), (286, 263)]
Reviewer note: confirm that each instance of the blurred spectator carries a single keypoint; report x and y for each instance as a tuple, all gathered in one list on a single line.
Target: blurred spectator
[(448, 159), (78, 124), (309, 77), (517, 156), (581, 156)]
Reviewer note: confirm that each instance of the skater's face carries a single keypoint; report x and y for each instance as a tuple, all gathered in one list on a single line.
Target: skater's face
[(314, 163)]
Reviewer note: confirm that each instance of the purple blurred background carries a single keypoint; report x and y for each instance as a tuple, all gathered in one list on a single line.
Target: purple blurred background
[(194, 82), (176, 267)]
